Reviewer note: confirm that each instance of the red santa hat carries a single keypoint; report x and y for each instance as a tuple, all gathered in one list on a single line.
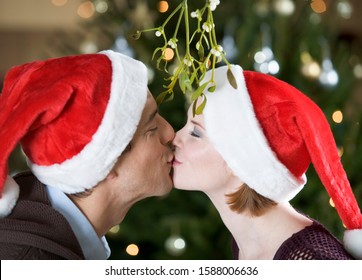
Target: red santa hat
[(269, 132), (73, 116)]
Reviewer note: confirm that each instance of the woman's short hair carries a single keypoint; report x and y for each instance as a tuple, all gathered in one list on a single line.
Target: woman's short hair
[(245, 199)]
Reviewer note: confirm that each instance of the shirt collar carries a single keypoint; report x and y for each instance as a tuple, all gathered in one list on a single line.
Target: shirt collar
[(93, 247)]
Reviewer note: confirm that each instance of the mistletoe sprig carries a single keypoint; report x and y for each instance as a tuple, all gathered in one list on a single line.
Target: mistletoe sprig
[(191, 70)]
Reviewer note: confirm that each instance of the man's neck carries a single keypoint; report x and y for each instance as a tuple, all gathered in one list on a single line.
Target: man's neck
[(102, 209)]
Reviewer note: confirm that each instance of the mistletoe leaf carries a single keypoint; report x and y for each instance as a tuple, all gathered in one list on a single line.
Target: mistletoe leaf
[(201, 107), (201, 52), (197, 110), (182, 80), (164, 97), (212, 89), (188, 84), (194, 108), (199, 91), (156, 51), (159, 62), (193, 76), (231, 79)]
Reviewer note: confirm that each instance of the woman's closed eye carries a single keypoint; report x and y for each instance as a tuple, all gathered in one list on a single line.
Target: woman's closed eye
[(196, 133)]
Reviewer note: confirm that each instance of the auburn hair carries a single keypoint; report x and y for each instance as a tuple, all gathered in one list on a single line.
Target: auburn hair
[(246, 199)]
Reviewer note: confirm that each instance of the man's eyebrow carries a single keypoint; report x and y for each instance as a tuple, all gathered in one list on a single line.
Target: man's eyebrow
[(151, 117)]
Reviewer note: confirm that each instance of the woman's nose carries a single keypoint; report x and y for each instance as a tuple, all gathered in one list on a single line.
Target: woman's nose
[(177, 139)]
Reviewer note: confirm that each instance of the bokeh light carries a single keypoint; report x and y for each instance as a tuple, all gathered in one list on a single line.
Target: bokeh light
[(59, 2), (318, 6), (132, 250), (162, 6), (86, 9), (337, 116)]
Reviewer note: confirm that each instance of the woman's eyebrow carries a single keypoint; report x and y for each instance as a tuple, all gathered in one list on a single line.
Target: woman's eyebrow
[(196, 123)]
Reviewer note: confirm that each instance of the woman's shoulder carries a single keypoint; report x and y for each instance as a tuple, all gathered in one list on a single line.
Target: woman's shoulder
[(314, 242)]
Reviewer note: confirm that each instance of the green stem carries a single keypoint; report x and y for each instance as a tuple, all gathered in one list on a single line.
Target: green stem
[(186, 13), (213, 69), (172, 14), (211, 19), (179, 21), (178, 56)]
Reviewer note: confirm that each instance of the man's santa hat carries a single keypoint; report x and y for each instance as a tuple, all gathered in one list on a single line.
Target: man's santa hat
[(73, 116), (269, 132)]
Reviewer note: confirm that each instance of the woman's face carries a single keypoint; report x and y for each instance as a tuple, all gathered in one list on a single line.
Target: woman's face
[(197, 164)]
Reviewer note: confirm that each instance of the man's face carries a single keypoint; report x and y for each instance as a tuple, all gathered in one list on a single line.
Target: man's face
[(145, 169)]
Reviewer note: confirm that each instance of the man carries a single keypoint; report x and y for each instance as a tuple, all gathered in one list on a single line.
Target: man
[(95, 143)]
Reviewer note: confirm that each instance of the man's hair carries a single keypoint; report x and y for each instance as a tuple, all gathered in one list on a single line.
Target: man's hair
[(245, 199), (88, 192), (83, 194)]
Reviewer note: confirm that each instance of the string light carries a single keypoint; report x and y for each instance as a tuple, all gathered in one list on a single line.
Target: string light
[(357, 71), (230, 47), (88, 47), (310, 68), (345, 9), (132, 250), (318, 6), (115, 229), (331, 203), (162, 6), (340, 151), (59, 3), (284, 7), (101, 6), (329, 76), (121, 45), (175, 245), (264, 59), (337, 116), (86, 9)]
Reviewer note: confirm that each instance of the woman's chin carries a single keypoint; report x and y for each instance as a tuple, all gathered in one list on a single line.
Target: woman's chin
[(180, 185)]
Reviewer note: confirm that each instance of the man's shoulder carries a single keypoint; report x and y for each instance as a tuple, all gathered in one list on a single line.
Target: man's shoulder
[(25, 177), (34, 229), (11, 251)]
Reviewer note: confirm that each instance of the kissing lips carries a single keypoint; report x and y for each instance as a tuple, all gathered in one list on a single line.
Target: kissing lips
[(176, 162)]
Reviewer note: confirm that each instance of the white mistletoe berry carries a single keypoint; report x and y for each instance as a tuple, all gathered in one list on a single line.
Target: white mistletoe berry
[(172, 43)]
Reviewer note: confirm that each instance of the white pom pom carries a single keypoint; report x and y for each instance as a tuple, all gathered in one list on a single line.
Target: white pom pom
[(352, 241), (9, 197)]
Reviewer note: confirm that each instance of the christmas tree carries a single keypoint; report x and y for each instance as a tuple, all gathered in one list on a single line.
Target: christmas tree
[(299, 42)]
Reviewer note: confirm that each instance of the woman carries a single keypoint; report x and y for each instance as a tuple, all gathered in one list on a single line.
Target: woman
[(249, 151)]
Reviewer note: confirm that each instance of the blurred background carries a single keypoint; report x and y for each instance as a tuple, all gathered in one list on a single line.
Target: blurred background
[(314, 45)]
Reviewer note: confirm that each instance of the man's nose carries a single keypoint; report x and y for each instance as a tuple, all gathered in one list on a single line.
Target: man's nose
[(168, 134)]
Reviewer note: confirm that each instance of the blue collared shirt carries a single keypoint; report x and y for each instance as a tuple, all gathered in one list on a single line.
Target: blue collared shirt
[(92, 246)]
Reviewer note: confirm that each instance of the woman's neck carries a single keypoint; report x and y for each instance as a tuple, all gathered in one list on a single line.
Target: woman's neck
[(260, 237)]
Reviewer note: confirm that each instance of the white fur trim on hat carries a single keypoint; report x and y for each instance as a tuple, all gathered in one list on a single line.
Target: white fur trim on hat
[(9, 196), (123, 113), (235, 132), (352, 241)]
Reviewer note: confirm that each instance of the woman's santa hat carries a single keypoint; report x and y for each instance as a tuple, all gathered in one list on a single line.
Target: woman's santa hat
[(73, 116), (269, 132)]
